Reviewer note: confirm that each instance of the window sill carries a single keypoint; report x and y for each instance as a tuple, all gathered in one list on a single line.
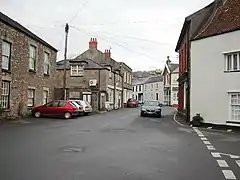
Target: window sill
[(232, 71), (76, 75), (6, 110), (32, 71), (6, 71)]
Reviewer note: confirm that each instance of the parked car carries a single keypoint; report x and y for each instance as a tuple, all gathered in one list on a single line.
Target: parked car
[(86, 107), (132, 102), (57, 108), (80, 107), (151, 108)]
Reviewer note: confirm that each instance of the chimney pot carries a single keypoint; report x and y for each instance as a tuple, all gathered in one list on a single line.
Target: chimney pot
[(93, 43)]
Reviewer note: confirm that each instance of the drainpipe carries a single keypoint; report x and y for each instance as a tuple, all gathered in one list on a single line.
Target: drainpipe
[(99, 89), (114, 91)]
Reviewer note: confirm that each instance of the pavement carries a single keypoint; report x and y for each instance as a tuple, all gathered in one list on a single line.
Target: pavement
[(118, 145)]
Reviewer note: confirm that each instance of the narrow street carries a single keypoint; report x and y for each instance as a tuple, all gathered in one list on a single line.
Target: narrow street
[(113, 146)]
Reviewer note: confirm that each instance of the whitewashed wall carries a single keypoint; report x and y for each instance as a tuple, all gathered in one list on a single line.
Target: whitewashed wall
[(210, 86)]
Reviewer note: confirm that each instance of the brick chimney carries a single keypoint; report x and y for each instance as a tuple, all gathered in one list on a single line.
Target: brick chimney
[(108, 52), (93, 43)]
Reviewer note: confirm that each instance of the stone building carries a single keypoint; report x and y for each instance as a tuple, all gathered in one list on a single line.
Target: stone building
[(126, 71), (27, 69), (93, 76)]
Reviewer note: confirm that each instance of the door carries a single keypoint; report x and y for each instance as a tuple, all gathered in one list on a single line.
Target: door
[(51, 109), (87, 97)]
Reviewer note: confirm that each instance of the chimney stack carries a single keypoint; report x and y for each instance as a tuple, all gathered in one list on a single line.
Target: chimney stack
[(93, 43), (168, 60), (108, 53)]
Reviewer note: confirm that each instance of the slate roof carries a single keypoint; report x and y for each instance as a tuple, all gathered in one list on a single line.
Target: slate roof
[(14, 24), (154, 79), (194, 22), (90, 64), (225, 19), (173, 66)]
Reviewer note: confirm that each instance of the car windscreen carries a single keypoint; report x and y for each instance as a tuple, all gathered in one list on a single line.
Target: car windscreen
[(151, 103)]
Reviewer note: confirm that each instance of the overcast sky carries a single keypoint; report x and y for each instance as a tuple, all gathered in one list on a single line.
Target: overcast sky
[(140, 33)]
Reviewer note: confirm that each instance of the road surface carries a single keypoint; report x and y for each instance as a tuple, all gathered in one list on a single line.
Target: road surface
[(117, 145)]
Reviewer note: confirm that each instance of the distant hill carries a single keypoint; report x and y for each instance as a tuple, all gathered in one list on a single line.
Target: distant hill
[(146, 74)]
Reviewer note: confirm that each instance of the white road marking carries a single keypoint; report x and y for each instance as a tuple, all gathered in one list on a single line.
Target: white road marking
[(204, 139), (222, 163), (231, 156), (238, 162), (206, 142), (210, 147), (229, 174), (216, 154), (200, 135)]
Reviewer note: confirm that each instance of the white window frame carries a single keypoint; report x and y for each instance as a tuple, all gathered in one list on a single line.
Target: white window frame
[(233, 106), (31, 97), (46, 66), (6, 55), (232, 64), (78, 70), (5, 95), (32, 57), (45, 96)]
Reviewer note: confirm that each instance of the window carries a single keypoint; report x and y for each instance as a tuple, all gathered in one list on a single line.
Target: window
[(52, 104), (45, 97), (31, 97), (46, 63), (140, 88), (235, 106), (232, 61), (151, 85), (61, 104), (110, 74), (157, 96), (133, 88), (6, 55), (118, 77), (77, 70), (5, 96), (145, 87), (32, 57), (156, 85)]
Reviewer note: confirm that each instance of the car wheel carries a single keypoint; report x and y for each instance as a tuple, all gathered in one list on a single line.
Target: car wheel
[(37, 114), (67, 115), (86, 114)]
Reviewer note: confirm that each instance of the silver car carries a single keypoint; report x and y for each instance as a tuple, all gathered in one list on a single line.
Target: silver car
[(86, 106)]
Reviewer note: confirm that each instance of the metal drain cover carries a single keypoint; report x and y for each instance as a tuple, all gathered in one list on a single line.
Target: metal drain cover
[(74, 149)]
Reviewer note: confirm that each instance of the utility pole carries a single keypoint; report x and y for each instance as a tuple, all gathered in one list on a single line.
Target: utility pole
[(65, 62)]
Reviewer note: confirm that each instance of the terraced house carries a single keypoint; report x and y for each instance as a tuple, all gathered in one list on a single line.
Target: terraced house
[(27, 69), (94, 76)]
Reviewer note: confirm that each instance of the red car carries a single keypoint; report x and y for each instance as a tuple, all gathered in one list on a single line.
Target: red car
[(57, 108), (132, 102)]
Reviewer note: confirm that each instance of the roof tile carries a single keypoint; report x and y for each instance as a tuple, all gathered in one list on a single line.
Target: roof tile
[(225, 19)]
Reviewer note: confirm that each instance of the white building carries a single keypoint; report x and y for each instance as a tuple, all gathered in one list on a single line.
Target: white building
[(138, 89), (153, 89), (170, 85), (215, 68)]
